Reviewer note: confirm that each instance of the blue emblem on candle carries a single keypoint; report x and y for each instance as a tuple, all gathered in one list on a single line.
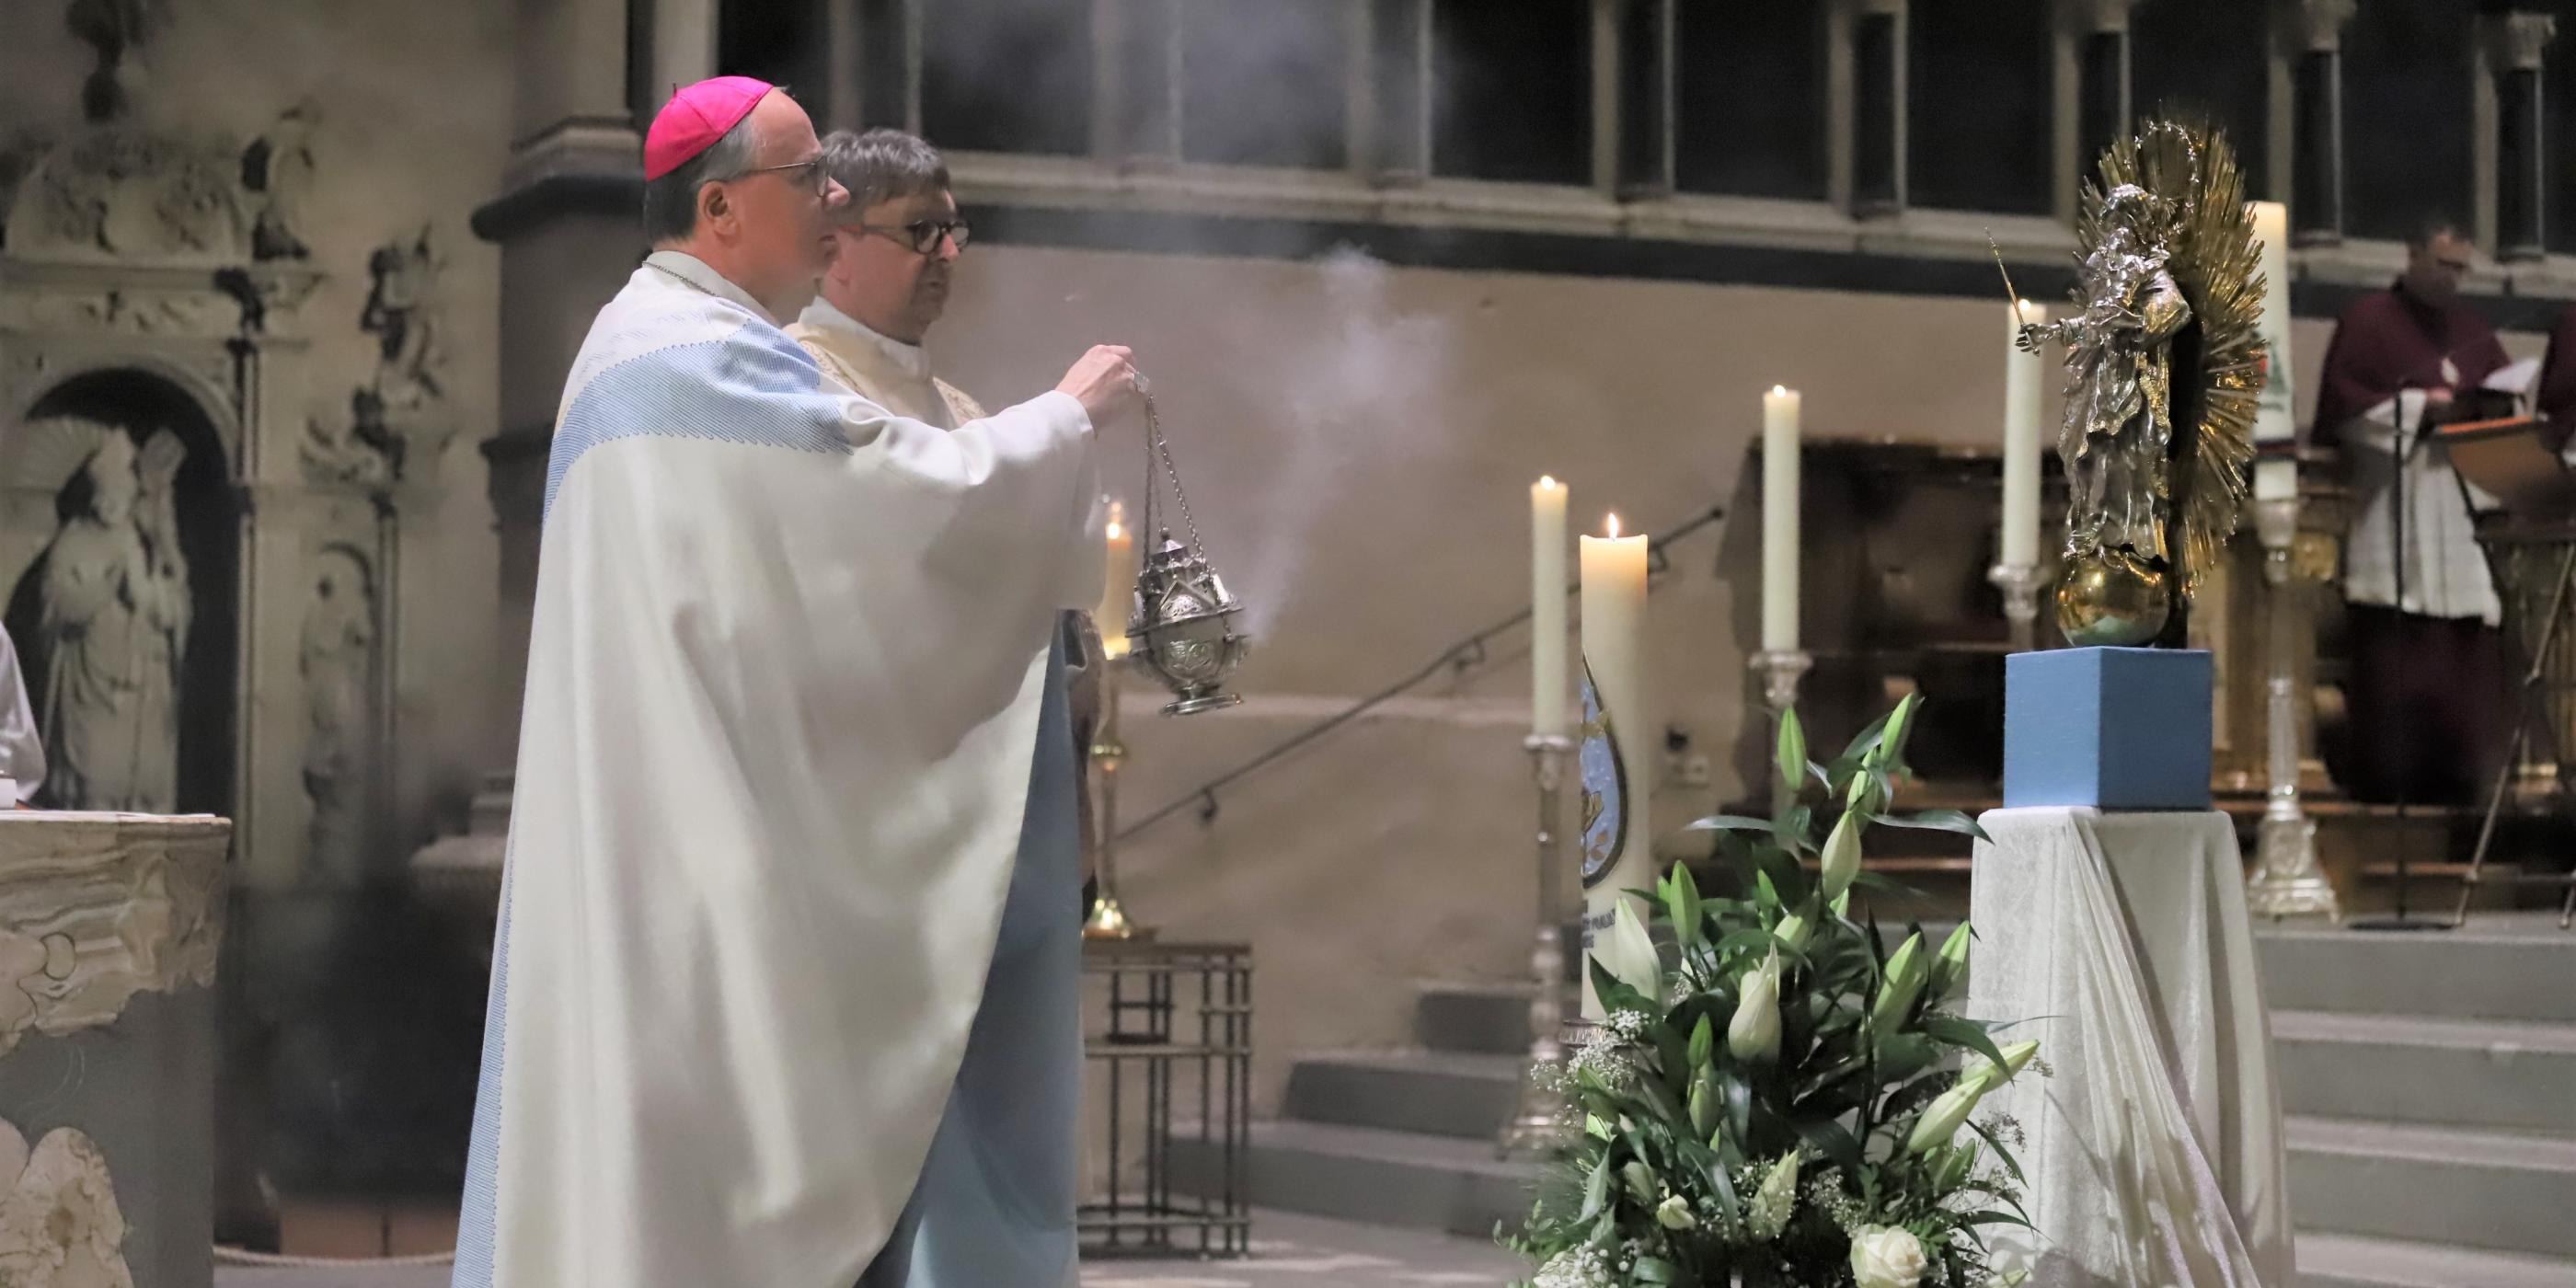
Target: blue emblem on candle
[(1605, 788)]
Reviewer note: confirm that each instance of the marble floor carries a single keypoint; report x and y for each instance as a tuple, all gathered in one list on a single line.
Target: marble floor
[(1288, 1249)]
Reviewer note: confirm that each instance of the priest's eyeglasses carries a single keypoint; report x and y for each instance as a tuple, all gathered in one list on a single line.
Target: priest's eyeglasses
[(922, 236)]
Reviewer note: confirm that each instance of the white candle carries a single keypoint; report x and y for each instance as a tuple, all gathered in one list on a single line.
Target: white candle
[(1614, 663), (2276, 413), (2023, 373), (1118, 588), (1547, 607), (1780, 520)]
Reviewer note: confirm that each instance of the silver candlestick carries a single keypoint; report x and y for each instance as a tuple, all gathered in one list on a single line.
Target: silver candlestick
[(1539, 1125), (1781, 670), (2287, 881), (2020, 584)]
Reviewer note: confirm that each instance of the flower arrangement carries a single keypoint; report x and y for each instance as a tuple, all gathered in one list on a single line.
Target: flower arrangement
[(1783, 1101)]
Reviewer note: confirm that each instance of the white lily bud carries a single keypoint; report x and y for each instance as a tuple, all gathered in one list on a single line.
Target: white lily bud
[(1754, 1033), (1628, 952), (1943, 1118), (1776, 1200), (1842, 855), (1675, 1214)]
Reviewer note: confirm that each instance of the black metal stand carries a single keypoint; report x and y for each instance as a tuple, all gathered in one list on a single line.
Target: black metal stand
[(1175, 1185), (2403, 461)]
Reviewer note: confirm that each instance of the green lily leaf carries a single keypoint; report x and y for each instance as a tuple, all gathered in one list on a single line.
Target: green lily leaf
[(1656, 1270), (1937, 820), (1730, 823), (1957, 1032)]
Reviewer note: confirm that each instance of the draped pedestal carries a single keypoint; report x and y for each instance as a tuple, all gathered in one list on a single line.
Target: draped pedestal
[(2154, 1153)]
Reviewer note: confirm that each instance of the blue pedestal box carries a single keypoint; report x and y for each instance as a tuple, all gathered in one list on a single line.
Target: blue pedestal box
[(2113, 728)]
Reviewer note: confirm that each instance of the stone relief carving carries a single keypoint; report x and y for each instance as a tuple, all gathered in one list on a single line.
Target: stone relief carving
[(119, 193), (114, 618), (93, 912), (278, 165), (337, 656), (121, 311), (60, 1226)]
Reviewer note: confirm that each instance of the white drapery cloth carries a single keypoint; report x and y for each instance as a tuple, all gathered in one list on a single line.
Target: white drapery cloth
[(2154, 1154)]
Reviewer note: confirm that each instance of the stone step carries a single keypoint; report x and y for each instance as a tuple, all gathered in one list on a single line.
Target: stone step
[(1362, 1174), (2480, 1073), (2499, 969), (2351, 1261), (1439, 1093), (1491, 1019), (2500, 1191)]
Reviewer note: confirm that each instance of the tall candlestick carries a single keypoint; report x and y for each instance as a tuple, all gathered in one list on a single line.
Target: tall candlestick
[(1616, 754), (2023, 373), (2276, 478), (1118, 588), (1780, 520), (1547, 607)]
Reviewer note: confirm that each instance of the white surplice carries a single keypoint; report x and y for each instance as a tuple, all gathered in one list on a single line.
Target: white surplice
[(785, 676)]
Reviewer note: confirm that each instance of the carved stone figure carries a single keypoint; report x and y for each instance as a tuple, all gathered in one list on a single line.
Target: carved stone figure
[(337, 657), (278, 165), (399, 313), (114, 625)]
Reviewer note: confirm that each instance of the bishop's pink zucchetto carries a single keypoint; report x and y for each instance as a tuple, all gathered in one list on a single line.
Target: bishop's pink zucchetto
[(696, 117)]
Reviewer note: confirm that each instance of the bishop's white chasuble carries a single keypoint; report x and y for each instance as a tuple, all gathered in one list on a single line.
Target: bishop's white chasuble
[(789, 659)]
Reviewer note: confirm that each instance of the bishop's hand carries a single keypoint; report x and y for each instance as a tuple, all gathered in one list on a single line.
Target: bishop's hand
[(1105, 383), (2030, 338)]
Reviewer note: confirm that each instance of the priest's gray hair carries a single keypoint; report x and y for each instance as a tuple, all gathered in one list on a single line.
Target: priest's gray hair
[(671, 202), (882, 165)]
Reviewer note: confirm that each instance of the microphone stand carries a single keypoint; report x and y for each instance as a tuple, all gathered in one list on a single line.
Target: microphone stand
[(2399, 510)]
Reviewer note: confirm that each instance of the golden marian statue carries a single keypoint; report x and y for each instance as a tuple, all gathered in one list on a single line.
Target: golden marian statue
[(2164, 360)]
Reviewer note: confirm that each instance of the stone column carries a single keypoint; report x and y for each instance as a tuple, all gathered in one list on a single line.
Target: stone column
[(1136, 82), (1387, 84), (2307, 117), (2509, 117), (109, 928), (1865, 141), (1633, 98), (2092, 93), (874, 64), (566, 220)]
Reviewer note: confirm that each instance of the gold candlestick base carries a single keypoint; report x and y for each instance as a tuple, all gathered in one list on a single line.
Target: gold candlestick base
[(1108, 920)]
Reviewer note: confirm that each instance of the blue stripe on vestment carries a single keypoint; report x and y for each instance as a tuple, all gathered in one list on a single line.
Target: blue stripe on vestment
[(478, 1215), (754, 387)]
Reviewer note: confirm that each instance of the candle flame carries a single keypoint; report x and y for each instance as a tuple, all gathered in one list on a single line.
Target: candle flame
[(1779, 389), (1115, 531), (1614, 525), (1547, 482)]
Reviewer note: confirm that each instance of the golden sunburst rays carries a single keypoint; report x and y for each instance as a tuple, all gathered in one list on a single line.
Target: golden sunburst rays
[(2196, 211)]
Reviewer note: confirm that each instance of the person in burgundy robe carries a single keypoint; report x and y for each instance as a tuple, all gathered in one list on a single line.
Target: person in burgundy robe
[(2426, 687), (2557, 397)]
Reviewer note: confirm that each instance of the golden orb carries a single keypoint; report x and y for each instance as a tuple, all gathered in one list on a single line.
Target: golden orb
[(2110, 598)]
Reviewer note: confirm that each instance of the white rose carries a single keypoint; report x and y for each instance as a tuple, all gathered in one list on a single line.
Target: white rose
[(1885, 1257)]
